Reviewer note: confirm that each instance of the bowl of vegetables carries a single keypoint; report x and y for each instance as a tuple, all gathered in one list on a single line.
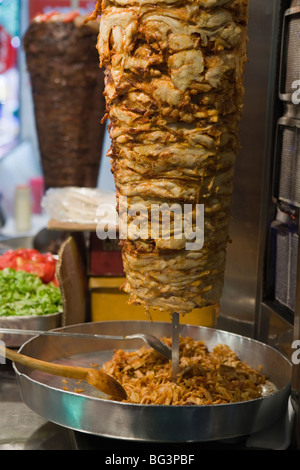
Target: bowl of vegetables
[(30, 297)]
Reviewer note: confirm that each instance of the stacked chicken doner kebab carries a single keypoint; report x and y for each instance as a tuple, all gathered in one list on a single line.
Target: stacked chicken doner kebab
[(174, 92)]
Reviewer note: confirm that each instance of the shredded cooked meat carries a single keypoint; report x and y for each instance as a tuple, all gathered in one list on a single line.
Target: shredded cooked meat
[(205, 377)]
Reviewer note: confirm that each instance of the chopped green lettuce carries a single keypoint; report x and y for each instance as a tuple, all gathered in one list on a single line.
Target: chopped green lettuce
[(23, 293)]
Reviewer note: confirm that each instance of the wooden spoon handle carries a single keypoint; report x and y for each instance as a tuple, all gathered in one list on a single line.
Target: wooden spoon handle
[(97, 378), (43, 366)]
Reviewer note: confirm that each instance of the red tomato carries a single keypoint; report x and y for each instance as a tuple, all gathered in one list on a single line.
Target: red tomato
[(31, 261), (6, 260), (48, 272)]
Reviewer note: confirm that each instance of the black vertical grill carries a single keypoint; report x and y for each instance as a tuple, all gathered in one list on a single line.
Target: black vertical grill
[(286, 190), (292, 61), (289, 180)]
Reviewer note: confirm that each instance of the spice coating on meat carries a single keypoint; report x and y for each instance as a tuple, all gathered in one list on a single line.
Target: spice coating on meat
[(174, 94)]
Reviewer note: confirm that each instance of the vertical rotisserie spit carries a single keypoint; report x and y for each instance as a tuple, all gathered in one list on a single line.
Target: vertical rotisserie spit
[(174, 93), (63, 65)]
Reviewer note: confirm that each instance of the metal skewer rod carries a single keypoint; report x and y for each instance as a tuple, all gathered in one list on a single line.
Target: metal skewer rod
[(175, 346), (151, 340)]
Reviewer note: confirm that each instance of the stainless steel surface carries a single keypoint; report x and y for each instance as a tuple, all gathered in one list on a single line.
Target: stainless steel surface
[(284, 245), (295, 392), (276, 330), (290, 56), (21, 428), (274, 324), (289, 175), (238, 303), (175, 346), (92, 414), (36, 323), (15, 242), (151, 340)]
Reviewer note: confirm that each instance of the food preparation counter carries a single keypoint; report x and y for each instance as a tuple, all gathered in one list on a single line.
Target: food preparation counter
[(22, 429)]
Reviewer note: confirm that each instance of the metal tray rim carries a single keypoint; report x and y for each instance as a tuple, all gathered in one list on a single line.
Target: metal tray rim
[(252, 341), (29, 317)]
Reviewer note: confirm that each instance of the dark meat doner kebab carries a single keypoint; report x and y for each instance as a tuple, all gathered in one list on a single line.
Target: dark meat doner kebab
[(66, 87)]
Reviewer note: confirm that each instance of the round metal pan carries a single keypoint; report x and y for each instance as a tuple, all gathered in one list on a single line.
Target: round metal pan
[(30, 322), (90, 413)]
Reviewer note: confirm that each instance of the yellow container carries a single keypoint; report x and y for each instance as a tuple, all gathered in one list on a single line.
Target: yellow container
[(109, 302)]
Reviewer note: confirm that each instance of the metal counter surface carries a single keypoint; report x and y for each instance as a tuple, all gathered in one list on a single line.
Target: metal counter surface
[(21, 428)]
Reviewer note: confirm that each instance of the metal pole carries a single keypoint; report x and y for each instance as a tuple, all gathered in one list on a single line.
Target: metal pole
[(175, 346)]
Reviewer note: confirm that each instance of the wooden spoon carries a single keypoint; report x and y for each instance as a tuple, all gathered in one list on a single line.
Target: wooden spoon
[(97, 378)]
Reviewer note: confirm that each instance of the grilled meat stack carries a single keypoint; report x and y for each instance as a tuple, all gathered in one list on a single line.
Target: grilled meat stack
[(174, 94)]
